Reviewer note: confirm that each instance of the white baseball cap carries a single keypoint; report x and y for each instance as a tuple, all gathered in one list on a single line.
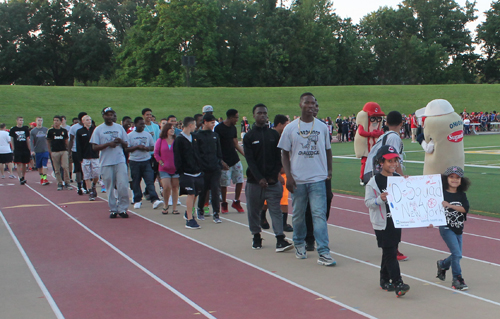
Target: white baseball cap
[(208, 108)]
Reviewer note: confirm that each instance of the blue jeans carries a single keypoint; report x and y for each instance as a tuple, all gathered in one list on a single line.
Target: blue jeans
[(315, 194), (139, 171), (454, 243)]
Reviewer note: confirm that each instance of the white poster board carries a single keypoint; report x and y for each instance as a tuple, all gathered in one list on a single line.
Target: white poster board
[(416, 201)]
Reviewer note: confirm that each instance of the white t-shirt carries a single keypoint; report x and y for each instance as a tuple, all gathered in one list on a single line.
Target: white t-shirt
[(104, 134), (72, 132), (143, 138), (308, 162), (4, 143)]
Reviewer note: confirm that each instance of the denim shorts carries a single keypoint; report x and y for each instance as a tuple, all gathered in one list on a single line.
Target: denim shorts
[(167, 175)]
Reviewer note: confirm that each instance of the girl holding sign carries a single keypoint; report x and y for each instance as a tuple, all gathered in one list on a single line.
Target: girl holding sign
[(456, 206), (388, 237)]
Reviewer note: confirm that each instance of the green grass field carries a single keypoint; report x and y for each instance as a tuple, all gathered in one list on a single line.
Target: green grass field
[(48, 101), (31, 101)]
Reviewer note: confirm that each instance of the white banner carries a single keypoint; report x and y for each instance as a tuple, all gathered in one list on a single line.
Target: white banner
[(416, 201)]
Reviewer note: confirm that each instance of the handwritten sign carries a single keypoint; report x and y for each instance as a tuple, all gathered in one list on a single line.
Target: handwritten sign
[(416, 201)]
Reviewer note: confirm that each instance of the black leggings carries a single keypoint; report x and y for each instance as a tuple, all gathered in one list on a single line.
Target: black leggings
[(389, 267)]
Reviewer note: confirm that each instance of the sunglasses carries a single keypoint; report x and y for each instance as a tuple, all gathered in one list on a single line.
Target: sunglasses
[(375, 119)]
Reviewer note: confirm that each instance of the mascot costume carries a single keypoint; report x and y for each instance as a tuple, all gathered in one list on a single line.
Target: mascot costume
[(443, 129), (369, 121)]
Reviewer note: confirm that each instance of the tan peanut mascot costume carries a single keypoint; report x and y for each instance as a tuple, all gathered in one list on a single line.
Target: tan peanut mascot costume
[(444, 128), (369, 121)]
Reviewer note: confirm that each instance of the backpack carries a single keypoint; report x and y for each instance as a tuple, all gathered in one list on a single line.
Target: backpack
[(371, 169)]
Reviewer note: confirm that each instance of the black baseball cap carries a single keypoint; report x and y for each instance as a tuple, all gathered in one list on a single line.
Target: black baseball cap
[(107, 109), (387, 152), (209, 118)]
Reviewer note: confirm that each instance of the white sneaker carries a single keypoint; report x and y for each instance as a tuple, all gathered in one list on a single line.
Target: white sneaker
[(179, 202), (137, 205), (170, 201), (157, 203)]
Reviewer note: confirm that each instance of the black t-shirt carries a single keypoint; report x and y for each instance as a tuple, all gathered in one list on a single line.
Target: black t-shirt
[(19, 137), (454, 219), (227, 135), (57, 139)]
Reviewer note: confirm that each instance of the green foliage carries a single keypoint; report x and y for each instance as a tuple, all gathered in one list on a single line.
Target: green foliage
[(488, 34)]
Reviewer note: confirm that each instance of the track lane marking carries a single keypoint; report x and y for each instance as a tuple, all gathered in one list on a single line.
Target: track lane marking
[(33, 271), (135, 263)]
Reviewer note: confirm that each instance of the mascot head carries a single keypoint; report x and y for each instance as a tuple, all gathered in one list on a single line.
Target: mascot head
[(438, 107)]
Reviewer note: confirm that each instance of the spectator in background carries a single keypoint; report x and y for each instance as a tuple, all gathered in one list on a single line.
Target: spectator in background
[(187, 163), (232, 169), (199, 121), (40, 149), (89, 159), (154, 130), (20, 143), (164, 154), (77, 166), (140, 145), (57, 139), (110, 139), (5, 152), (244, 127), (210, 153)]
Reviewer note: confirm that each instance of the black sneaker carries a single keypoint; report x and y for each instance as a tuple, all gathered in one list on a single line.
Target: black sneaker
[(288, 228), (459, 283), (123, 215), (257, 242), (113, 215), (79, 191), (22, 181), (401, 288), (59, 187), (441, 274), (264, 224), (282, 245), (387, 285), (310, 246)]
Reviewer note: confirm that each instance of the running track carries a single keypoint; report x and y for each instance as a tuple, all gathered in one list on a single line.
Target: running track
[(96, 267)]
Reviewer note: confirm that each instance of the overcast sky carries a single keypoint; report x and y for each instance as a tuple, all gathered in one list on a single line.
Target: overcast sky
[(356, 9)]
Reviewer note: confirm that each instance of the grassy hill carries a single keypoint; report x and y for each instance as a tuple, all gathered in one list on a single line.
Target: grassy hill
[(32, 101)]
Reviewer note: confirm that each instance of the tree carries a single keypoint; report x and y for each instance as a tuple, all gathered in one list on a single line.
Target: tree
[(488, 33), (152, 51)]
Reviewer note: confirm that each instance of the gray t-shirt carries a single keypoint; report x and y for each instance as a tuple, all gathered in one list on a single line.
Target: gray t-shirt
[(104, 134), (72, 132), (38, 140), (142, 138), (308, 162)]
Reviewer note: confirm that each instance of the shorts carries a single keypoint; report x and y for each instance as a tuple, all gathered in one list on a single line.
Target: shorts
[(414, 131), (189, 185), (42, 159), (5, 158), (90, 168), (235, 173), (167, 175), (23, 158), (77, 167)]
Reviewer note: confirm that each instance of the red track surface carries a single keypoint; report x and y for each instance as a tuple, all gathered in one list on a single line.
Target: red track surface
[(88, 279)]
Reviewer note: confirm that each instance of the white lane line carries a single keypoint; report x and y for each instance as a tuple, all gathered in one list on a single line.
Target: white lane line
[(377, 266), (38, 280), (408, 243), (256, 267), (135, 263)]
